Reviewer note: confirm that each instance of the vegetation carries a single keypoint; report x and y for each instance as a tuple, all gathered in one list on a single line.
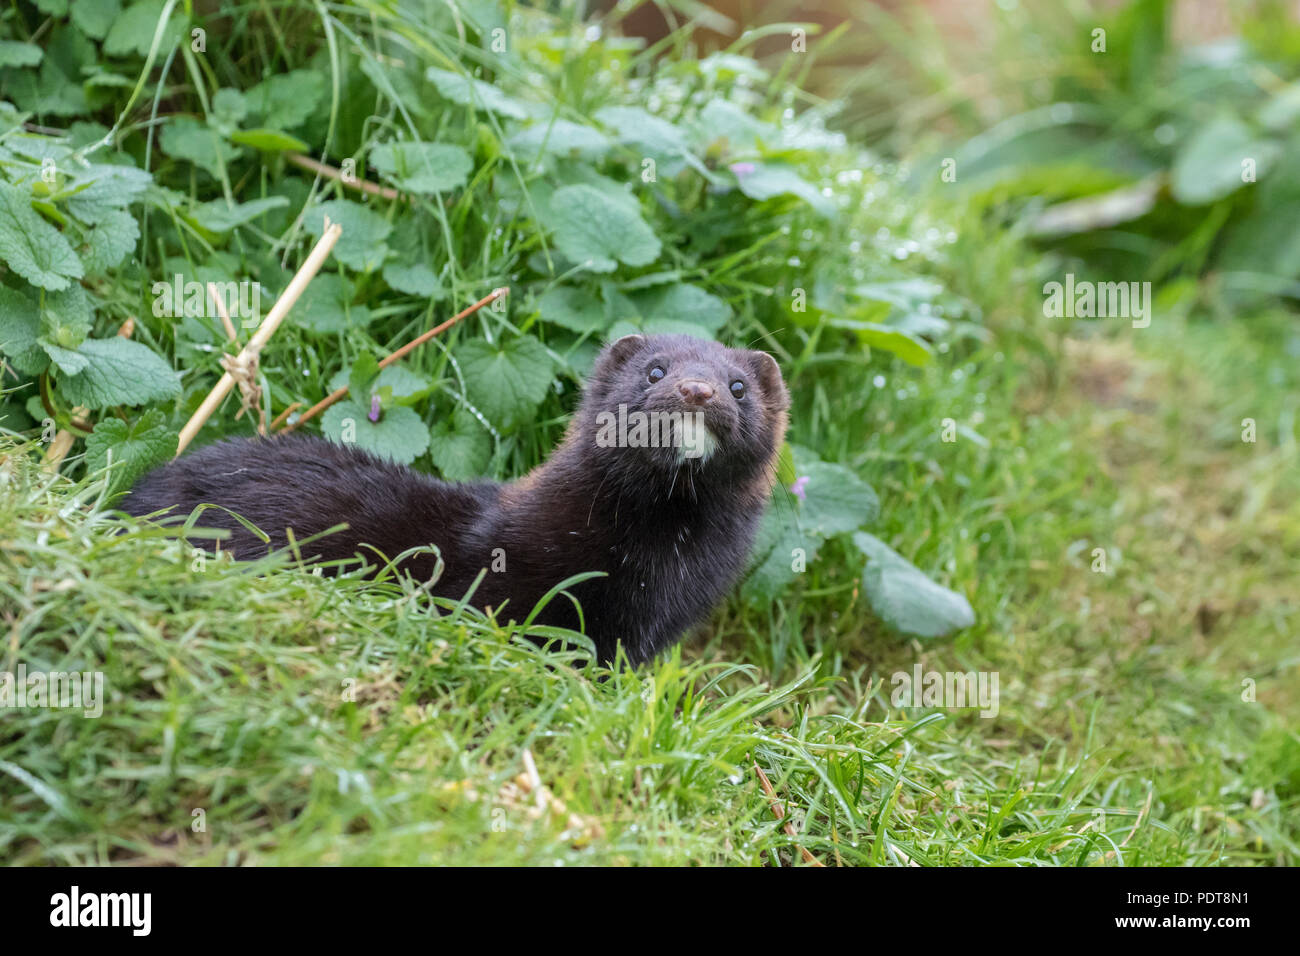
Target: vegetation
[(1127, 557)]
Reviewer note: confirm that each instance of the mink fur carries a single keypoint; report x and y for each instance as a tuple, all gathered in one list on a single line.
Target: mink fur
[(671, 533)]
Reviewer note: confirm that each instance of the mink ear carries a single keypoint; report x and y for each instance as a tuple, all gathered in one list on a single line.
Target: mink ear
[(769, 376), (618, 352)]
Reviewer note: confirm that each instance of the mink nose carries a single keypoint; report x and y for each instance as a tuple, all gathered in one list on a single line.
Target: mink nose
[(695, 392)]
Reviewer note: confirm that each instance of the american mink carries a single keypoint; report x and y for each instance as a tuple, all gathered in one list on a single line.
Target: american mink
[(670, 521)]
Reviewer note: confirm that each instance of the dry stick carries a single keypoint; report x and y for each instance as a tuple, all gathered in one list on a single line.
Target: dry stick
[(780, 815), (264, 331), (62, 443), (333, 397), (330, 172), (275, 422), (250, 392)]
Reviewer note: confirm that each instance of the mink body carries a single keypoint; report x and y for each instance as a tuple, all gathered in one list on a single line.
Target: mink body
[(671, 532)]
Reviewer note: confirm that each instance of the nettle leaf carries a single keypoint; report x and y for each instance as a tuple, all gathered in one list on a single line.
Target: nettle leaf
[(268, 140), (425, 168), (417, 279), (14, 53), (133, 29), (135, 447), (563, 138), (286, 100), (67, 317), (400, 435), (1209, 165), (684, 303), (110, 240), (460, 447), (20, 330), (103, 189), (595, 231), (326, 306), (574, 309), (217, 216), (767, 181), (905, 598), (188, 139), (31, 246), (95, 17), (361, 246), (470, 92), (506, 380), (119, 372)]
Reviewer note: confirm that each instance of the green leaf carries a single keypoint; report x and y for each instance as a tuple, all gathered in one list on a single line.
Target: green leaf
[(910, 350), (417, 279), (326, 306), (593, 230), (134, 28), (574, 309), (135, 448), (229, 106), (1209, 166), (187, 139), (507, 380), (836, 500), (470, 92), (110, 240), (361, 246), (461, 448), (119, 372), (562, 138), (103, 189), (780, 550), (216, 216), (400, 435), (14, 53), (365, 369), (404, 384), (905, 598), (31, 246), (684, 303), (95, 17), (269, 140), (425, 168), (20, 329), (637, 128), (286, 100), (67, 317), (766, 181)]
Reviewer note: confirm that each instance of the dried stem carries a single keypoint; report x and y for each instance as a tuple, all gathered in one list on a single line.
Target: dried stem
[(779, 813), (331, 172)]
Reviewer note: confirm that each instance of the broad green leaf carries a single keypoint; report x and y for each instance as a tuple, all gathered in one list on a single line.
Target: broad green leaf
[(104, 189), (269, 140), (326, 306), (1210, 164), (95, 17), (910, 350), (425, 168), (592, 230), (574, 309), (136, 447), (561, 137), (110, 240), (67, 317), (507, 380), (403, 383), (133, 29), (417, 279), (187, 139), (780, 550), (361, 376), (361, 246), (30, 246), (905, 598), (635, 127), (229, 106), (217, 216), (460, 447), (119, 372), (20, 329), (285, 100), (766, 181), (684, 303), (836, 500), (400, 435), (470, 92), (14, 53)]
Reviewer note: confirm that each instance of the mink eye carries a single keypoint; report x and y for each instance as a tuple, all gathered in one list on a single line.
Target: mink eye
[(656, 374), (738, 389)]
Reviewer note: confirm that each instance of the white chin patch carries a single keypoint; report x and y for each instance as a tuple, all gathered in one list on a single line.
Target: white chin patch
[(697, 444)]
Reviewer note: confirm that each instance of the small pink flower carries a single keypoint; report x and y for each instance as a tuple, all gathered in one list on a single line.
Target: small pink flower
[(797, 489), (374, 408), (743, 169)]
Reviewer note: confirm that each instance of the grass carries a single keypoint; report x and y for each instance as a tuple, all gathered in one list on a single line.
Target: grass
[(270, 715)]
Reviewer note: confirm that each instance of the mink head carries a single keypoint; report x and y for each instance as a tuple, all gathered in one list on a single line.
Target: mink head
[(655, 405)]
